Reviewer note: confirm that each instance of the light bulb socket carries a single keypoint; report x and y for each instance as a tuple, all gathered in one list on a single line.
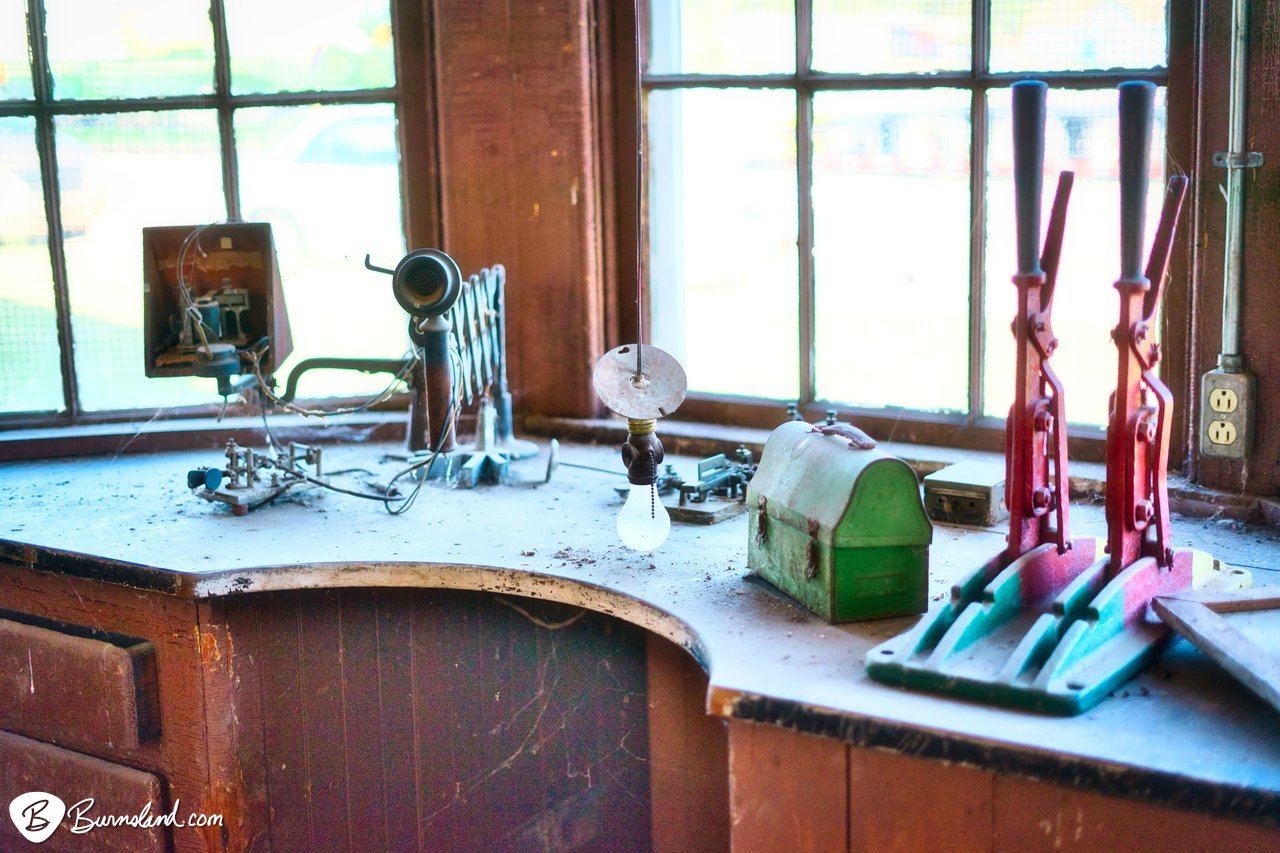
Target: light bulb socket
[(637, 426), (642, 452)]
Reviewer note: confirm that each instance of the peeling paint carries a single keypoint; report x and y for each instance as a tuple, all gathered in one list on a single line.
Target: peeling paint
[(209, 651)]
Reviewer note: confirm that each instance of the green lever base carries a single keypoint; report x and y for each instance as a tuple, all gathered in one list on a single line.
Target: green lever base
[(1046, 633)]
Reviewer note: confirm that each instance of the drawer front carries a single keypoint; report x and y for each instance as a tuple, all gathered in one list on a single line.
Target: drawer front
[(76, 686), (28, 765)]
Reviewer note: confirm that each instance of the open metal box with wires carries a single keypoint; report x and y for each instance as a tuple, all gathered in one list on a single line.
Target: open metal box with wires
[(210, 293)]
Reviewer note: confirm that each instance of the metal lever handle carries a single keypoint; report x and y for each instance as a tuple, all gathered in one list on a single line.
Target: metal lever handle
[(1053, 239), (1137, 99), (369, 266), (1162, 247), (1028, 169), (858, 440)]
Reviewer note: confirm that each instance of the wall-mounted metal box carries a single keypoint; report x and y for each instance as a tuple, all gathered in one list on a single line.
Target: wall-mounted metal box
[(841, 530)]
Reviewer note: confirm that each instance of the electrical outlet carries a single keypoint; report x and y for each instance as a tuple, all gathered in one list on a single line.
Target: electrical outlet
[(1222, 432), (1224, 400), (1226, 414)]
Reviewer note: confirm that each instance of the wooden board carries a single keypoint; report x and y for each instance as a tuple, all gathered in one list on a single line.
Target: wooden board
[(516, 102), (688, 755), (900, 802), (787, 791), (1234, 630)]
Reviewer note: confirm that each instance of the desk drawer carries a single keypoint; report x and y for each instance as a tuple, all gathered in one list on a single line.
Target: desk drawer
[(76, 686), (28, 765)]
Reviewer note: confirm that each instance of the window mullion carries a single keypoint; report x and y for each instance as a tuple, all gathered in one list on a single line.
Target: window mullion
[(222, 92), (42, 88), (804, 186), (979, 65)]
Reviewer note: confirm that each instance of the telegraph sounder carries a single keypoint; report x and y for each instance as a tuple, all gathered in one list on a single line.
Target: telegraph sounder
[(212, 295)]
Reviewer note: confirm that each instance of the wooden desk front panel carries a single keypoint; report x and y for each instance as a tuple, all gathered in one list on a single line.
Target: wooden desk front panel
[(800, 793), (405, 719)]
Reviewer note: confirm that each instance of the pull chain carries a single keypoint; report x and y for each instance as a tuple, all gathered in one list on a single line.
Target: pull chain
[(653, 485)]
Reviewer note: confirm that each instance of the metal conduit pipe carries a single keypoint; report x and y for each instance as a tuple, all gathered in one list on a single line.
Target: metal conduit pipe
[(1236, 160)]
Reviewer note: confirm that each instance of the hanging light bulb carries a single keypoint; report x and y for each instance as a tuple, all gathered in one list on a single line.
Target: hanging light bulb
[(644, 523), (641, 383), (641, 391)]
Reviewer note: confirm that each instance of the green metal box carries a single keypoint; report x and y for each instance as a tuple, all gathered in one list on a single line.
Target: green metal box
[(841, 530)]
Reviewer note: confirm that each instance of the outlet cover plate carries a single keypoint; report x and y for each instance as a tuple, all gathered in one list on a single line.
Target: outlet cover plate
[(1226, 414)]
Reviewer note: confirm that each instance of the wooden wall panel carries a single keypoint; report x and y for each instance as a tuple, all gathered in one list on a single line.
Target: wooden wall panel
[(276, 661), (320, 718), (787, 791), (519, 169), (435, 719), (900, 802), (1031, 816), (396, 724), (239, 796), (688, 755)]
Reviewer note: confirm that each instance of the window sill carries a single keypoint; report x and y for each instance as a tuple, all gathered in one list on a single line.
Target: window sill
[(1088, 479), (194, 433)]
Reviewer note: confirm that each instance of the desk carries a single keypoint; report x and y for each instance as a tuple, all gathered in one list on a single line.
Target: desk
[(817, 752)]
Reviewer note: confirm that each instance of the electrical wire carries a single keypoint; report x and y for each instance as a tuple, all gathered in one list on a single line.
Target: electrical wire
[(386, 498), (277, 448), (255, 358), (184, 287), (450, 418)]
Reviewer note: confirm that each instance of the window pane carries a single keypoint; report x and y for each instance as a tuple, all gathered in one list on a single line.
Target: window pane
[(328, 180), (118, 174), (15, 69), (31, 380), (722, 37), (293, 45), (149, 49), (1044, 35), (1081, 133), (891, 247), (891, 36), (722, 218)]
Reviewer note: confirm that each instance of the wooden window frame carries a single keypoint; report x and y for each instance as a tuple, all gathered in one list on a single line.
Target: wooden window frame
[(972, 430), (419, 170)]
